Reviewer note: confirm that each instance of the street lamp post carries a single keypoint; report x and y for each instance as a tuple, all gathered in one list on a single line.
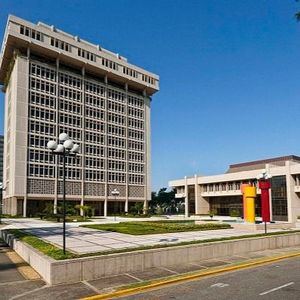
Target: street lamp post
[(264, 184), (115, 193), (65, 148)]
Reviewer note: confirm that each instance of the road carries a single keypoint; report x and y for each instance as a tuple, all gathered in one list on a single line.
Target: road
[(280, 280)]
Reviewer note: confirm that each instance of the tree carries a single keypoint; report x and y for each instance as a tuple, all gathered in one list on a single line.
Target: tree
[(137, 208), (163, 200), (85, 209)]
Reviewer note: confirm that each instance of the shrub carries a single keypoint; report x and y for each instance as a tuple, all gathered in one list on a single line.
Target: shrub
[(234, 213), (212, 213)]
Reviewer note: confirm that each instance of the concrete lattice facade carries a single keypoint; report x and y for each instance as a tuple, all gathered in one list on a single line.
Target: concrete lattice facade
[(223, 192), (55, 83)]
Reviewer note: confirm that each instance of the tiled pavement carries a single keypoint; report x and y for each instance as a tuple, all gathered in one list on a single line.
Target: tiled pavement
[(14, 286), (85, 240)]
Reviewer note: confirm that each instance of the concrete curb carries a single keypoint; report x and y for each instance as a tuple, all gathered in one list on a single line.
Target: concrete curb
[(190, 277)]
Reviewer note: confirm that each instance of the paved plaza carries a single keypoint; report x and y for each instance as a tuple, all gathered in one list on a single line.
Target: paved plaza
[(82, 240)]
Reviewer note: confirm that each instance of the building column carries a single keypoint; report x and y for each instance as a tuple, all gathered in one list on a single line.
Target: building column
[(56, 158), (196, 194), (145, 207), (186, 198), (147, 118), (127, 163), (106, 151), (14, 206), (267, 167), (293, 205), (83, 141), (25, 207), (105, 207)]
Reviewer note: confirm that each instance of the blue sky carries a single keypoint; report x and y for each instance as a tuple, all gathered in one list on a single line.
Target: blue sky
[(229, 73)]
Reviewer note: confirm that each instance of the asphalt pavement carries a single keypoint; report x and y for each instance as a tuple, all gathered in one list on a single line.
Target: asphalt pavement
[(276, 281)]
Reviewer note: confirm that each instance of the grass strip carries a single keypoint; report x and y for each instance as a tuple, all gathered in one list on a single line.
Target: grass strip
[(156, 227), (39, 244), (57, 253)]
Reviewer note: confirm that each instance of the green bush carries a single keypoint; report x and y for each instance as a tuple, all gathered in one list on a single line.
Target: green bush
[(137, 209), (234, 213), (212, 213)]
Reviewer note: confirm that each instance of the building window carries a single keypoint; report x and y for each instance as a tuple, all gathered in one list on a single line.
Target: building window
[(60, 44), (31, 33), (87, 55), (109, 64)]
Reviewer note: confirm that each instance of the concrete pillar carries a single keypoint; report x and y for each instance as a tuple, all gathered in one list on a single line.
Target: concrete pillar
[(81, 203), (196, 194), (202, 205), (145, 207), (186, 198), (105, 208), (14, 206), (25, 207), (83, 141), (293, 201), (126, 206), (56, 158)]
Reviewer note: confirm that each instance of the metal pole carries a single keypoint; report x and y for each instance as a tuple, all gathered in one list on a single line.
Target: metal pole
[(64, 202), (265, 227), (115, 207)]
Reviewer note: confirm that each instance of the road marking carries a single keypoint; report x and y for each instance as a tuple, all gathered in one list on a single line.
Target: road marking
[(188, 277), (171, 271), (220, 285), (134, 277), (29, 292), (276, 289), (91, 287)]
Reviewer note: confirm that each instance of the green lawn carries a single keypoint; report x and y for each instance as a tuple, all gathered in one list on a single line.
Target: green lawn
[(148, 227)]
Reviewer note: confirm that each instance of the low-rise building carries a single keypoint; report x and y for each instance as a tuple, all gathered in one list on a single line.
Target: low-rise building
[(222, 192)]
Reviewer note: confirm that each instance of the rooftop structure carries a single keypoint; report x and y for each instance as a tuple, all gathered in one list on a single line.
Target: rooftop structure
[(74, 51)]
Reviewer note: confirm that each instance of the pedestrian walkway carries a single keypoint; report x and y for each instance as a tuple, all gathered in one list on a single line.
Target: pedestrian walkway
[(82, 240)]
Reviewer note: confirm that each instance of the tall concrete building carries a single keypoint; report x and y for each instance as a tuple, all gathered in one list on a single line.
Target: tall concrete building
[(55, 82), (222, 192)]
